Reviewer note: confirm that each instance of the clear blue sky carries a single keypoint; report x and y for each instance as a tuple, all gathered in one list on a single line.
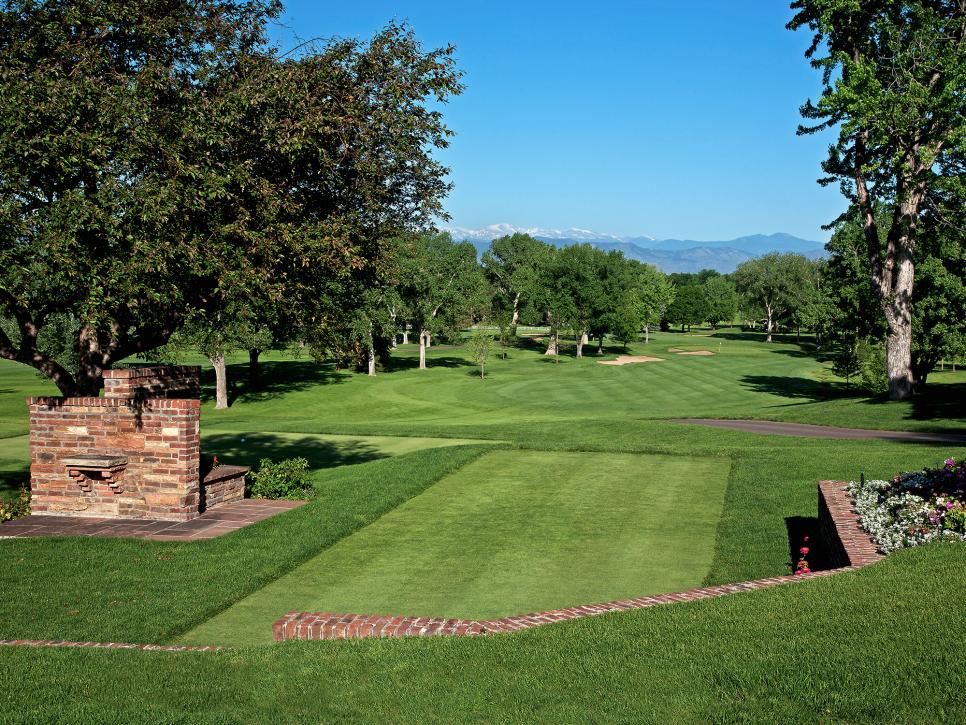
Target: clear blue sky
[(663, 118)]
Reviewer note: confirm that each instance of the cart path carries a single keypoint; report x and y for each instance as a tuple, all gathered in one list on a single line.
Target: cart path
[(769, 427)]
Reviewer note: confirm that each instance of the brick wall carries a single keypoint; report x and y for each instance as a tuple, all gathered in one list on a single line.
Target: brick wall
[(159, 436), (168, 381)]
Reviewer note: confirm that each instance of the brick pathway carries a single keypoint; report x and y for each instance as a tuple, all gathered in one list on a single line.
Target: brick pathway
[(770, 427), (221, 520)]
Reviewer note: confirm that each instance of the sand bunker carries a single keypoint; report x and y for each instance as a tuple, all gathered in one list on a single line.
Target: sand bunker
[(626, 359), (675, 349), (703, 353)]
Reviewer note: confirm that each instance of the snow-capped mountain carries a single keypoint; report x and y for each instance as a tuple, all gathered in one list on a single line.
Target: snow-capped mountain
[(668, 255), (494, 231)]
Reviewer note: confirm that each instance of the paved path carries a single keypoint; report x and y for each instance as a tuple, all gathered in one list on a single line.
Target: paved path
[(769, 427), (226, 517)]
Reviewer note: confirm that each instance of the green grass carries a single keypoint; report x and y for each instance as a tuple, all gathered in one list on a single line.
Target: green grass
[(511, 532), (883, 644)]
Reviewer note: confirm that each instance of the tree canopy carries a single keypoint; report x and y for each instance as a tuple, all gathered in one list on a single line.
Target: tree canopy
[(894, 88), (162, 160)]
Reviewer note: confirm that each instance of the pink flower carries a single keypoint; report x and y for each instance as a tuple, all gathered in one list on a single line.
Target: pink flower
[(803, 551), (950, 462)]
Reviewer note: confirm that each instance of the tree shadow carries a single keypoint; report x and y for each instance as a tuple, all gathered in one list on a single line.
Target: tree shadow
[(798, 527), (11, 481), (800, 388), (276, 378), (247, 449), (411, 363), (946, 401)]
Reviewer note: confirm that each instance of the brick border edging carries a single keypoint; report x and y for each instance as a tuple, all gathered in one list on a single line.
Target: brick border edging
[(837, 519), (110, 645)]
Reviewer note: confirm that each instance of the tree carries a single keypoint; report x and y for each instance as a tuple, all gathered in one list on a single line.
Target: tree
[(579, 282), (893, 75), (481, 342), (441, 284), (511, 265), (938, 301), (656, 294), (690, 306), (775, 282), (722, 300), (161, 161)]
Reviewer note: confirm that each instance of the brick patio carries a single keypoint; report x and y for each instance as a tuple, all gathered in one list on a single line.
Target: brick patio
[(222, 520)]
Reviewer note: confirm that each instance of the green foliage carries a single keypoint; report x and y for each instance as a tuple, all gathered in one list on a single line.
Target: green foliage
[(481, 342), (846, 362), (722, 300), (512, 267), (778, 283), (164, 160), (690, 306), (440, 283), (287, 479), (955, 520), (871, 358), (20, 506)]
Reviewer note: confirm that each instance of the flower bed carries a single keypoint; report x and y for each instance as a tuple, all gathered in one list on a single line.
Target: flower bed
[(914, 508)]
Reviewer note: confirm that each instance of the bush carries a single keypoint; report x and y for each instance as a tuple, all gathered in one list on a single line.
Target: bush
[(287, 479), (872, 367), (10, 510)]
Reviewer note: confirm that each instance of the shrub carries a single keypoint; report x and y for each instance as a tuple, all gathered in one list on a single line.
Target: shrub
[(10, 510), (872, 367), (287, 479), (914, 508)]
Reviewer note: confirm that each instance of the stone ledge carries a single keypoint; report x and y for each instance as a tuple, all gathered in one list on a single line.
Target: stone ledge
[(222, 473)]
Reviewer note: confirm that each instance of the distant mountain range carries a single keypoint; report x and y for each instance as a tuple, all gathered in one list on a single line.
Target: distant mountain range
[(668, 255)]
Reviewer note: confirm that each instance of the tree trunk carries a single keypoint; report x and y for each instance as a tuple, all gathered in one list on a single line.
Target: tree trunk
[(647, 334), (221, 381), (580, 344), (768, 325), (552, 347), (405, 336), (372, 355), (253, 354), (423, 338), (429, 339), (516, 311), (898, 314), (600, 344)]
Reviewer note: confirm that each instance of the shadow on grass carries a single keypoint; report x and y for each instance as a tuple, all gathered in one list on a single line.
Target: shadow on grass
[(411, 363), (247, 449), (11, 481), (277, 378), (800, 388), (798, 527)]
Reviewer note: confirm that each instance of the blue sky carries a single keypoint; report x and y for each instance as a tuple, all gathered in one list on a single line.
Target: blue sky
[(666, 119)]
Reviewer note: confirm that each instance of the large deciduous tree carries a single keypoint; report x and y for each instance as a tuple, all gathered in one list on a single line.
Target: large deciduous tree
[(512, 266), (775, 282), (441, 284), (895, 88), (160, 161)]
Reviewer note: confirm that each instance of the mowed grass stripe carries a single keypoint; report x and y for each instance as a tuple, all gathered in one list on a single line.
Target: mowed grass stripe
[(511, 532)]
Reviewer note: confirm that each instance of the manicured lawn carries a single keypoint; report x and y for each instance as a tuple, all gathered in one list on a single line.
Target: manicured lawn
[(510, 532), (885, 643), (882, 644)]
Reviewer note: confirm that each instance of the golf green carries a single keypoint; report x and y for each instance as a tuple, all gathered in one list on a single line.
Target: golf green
[(514, 531)]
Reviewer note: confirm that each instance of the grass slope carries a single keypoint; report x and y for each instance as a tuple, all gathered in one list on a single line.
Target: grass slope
[(510, 532), (882, 644)]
